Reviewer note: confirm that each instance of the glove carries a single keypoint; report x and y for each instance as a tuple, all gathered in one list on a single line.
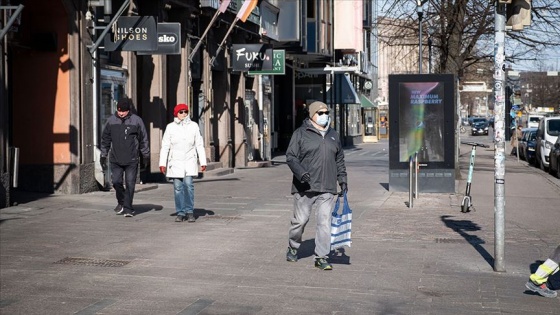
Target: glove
[(306, 178), (343, 188), (146, 162), (163, 169), (103, 162)]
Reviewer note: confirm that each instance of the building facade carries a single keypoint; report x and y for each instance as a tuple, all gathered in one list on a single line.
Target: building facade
[(62, 79)]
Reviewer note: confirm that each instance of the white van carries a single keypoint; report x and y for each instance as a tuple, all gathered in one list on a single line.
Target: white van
[(533, 120), (549, 129)]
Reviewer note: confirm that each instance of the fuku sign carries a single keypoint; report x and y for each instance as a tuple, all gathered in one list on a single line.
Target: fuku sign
[(251, 57)]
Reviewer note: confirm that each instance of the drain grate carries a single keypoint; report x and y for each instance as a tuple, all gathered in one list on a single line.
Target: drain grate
[(92, 262)]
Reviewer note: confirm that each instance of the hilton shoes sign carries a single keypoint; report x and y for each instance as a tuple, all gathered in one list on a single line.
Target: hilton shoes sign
[(143, 35), (251, 57)]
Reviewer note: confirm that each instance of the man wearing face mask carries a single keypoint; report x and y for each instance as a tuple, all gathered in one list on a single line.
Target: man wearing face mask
[(316, 159)]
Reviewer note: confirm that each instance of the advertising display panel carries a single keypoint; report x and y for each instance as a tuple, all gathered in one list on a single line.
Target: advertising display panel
[(422, 114)]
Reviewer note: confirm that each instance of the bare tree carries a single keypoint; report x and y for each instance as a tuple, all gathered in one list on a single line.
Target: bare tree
[(463, 31)]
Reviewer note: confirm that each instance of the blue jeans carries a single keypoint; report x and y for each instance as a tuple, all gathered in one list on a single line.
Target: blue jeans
[(184, 195)]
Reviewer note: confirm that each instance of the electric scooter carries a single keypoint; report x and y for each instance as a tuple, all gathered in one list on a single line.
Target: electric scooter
[(466, 204)]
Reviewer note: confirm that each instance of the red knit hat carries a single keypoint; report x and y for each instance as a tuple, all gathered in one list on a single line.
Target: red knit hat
[(180, 107)]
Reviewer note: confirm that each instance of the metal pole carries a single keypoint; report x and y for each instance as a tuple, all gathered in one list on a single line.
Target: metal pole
[(223, 41), (15, 170), (430, 54), (499, 134), (420, 14), (195, 49), (11, 20), (108, 27), (410, 188), (416, 175)]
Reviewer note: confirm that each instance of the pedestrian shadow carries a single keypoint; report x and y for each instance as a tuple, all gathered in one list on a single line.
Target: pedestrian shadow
[(143, 208), (463, 228), (202, 212), (338, 256), (553, 280), (306, 248)]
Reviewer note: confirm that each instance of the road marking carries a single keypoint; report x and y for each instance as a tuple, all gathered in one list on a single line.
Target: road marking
[(96, 307)]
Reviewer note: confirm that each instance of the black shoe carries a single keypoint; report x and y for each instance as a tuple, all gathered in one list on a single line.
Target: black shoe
[(291, 254), (119, 209), (179, 218), (190, 217), (128, 213)]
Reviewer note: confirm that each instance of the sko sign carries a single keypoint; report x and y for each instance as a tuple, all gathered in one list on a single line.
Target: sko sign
[(168, 40)]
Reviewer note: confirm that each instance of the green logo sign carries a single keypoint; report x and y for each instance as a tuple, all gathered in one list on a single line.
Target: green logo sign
[(278, 64)]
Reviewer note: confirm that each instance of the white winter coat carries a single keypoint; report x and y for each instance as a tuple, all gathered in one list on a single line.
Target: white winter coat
[(182, 149)]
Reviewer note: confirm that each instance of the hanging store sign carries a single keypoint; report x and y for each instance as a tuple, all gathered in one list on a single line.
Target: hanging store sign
[(251, 57), (278, 64), (133, 33), (169, 40)]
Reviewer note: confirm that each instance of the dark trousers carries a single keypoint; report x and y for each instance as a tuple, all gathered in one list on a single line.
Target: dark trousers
[(124, 196)]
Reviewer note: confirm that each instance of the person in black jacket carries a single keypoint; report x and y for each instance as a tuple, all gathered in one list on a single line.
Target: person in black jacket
[(316, 159), (125, 137)]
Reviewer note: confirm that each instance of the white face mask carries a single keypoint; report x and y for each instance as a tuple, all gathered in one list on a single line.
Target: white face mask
[(322, 120)]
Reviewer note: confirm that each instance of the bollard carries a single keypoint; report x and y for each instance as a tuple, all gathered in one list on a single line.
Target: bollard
[(416, 174), (15, 161), (410, 172)]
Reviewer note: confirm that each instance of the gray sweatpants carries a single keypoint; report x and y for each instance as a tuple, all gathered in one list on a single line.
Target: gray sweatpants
[(303, 204)]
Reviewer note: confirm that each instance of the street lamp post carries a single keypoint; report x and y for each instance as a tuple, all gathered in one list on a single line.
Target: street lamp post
[(420, 12), (431, 31)]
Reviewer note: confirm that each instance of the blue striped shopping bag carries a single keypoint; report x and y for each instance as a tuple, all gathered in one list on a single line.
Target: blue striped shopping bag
[(341, 225)]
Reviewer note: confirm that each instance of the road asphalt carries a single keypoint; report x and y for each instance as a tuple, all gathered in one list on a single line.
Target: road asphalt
[(70, 254)]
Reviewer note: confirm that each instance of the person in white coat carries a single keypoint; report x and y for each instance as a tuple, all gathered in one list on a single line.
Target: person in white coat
[(182, 150)]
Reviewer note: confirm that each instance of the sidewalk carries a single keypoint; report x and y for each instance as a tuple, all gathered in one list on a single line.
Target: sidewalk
[(73, 255)]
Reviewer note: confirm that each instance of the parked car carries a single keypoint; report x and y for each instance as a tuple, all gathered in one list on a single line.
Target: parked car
[(533, 120), (547, 134), (554, 159), (479, 126), (527, 145)]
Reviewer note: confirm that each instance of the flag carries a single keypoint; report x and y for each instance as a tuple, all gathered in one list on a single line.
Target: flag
[(246, 9), (224, 5)]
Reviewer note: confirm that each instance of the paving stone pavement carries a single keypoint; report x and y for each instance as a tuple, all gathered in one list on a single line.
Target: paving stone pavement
[(428, 259)]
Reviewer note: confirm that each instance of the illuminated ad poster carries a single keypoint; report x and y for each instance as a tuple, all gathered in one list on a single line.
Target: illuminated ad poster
[(421, 114), (421, 121)]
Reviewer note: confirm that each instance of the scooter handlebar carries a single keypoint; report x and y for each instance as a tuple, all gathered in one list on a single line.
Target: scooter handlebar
[(476, 144)]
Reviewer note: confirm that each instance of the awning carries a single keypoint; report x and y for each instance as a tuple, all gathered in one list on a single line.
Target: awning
[(366, 103), (344, 92)]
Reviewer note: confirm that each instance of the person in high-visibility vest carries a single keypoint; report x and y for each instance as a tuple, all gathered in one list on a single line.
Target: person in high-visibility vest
[(537, 281)]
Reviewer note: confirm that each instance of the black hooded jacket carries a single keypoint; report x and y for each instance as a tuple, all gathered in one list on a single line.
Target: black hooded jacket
[(321, 157), (126, 138)]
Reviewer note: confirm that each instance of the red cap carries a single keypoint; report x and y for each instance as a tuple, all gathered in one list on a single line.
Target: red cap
[(180, 107)]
